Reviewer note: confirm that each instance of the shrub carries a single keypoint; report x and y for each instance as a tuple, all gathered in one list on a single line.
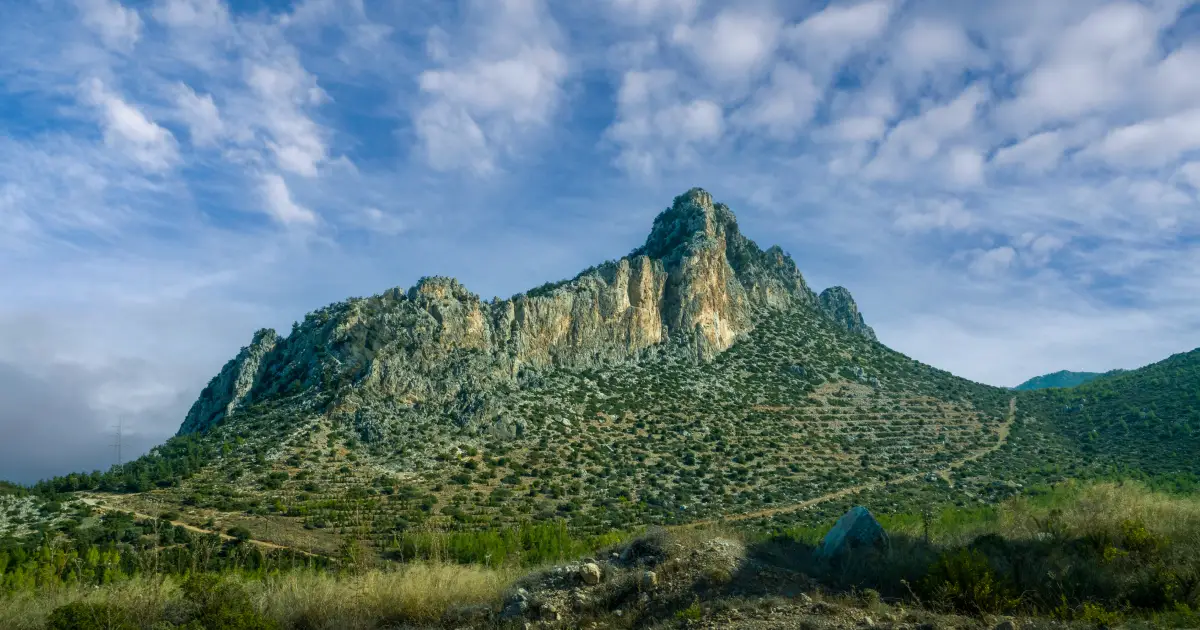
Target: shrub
[(223, 605), (964, 580), (240, 533), (88, 616)]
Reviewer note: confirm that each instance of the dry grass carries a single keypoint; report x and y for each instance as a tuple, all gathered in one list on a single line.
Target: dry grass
[(415, 593), (418, 593), (143, 599)]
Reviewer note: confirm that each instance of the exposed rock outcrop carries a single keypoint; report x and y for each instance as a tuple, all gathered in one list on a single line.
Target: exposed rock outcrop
[(696, 286), (839, 305), (229, 389)]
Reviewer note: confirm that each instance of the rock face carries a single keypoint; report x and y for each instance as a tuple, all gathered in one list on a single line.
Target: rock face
[(838, 304), (228, 389), (696, 286), (856, 529)]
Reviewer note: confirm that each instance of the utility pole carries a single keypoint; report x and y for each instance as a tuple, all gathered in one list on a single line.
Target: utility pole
[(117, 443)]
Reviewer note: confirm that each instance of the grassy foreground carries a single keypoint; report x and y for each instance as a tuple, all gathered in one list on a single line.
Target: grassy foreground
[(1083, 555)]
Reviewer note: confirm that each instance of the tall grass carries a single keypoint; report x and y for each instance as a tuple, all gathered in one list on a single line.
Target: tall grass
[(413, 594), (1075, 551)]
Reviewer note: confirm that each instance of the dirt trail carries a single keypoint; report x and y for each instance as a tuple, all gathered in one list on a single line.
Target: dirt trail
[(93, 501), (1003, 431)]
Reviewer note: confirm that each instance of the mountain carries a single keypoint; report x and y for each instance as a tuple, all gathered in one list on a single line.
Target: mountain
[(697, 378), (696, 286), (1145, 420), (1062, 378)]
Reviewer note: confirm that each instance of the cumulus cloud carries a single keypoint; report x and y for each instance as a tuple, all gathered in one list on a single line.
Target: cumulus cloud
[(785, 105), (941, 214), (1018, 178), (919, 139), (477, 109), (733, 46), (1150, 143), (829, 36), (656, 124)]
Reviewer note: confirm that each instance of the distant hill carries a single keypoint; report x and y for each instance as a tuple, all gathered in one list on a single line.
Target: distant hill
[(1062, 378)]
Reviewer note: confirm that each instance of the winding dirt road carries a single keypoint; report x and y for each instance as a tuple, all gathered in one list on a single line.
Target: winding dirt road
[(94, 502), (1004, 430)]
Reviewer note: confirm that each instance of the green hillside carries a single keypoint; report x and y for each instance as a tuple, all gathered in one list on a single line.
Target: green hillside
[(696, 381), (1062, 379)]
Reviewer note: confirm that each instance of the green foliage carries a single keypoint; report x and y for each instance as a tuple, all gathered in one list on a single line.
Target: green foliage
[(89, 616), (220, 604), (1060, 379), (964, 580), (692, 613)]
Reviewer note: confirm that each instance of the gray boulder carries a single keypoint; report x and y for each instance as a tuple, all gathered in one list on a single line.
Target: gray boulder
[(856, 529)]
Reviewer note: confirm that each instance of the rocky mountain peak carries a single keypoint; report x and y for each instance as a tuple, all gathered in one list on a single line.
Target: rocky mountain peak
[(692, 221), (839, 305)]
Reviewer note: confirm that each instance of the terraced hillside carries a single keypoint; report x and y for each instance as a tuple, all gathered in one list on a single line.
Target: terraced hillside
[(696, 378)]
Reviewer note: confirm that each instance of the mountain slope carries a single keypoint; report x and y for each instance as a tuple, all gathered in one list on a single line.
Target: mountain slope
[(1062, 378), (1145, 420), (697, 377)]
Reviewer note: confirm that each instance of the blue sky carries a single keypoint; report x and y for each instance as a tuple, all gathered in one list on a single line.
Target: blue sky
[(1007, 188)]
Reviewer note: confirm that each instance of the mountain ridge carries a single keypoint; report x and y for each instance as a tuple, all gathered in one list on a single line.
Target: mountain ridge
[(696, 281), (1063, 378)]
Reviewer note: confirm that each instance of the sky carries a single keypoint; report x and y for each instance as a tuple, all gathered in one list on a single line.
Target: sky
[(1006, 188)]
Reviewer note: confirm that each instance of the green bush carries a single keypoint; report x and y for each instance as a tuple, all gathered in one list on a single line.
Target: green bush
[(223, 605), (88, 616), (964, 580)]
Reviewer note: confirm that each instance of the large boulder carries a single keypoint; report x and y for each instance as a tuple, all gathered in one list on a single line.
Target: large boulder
[(856, 529)]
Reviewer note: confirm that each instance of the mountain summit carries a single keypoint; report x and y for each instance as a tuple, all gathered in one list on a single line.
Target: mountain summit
[(696, 286)]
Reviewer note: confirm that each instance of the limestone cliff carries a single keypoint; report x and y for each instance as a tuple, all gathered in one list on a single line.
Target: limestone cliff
[(696, 286)]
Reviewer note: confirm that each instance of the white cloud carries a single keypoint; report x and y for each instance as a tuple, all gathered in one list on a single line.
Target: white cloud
[(284, 89), (1039, 153), (382, 222), (474, 110), (118, 26), (1037, 249), (919, 139), (785, 105), (993, 261), (192, 14), (657, 125), (927, 45), (732, 47), (1092, 66), (828, 37), (860, 128), (278, 203), (128, 131), (1150, 143), (1190, 173), (943, 214), (647, 10), (200, 114), (966, 166)]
